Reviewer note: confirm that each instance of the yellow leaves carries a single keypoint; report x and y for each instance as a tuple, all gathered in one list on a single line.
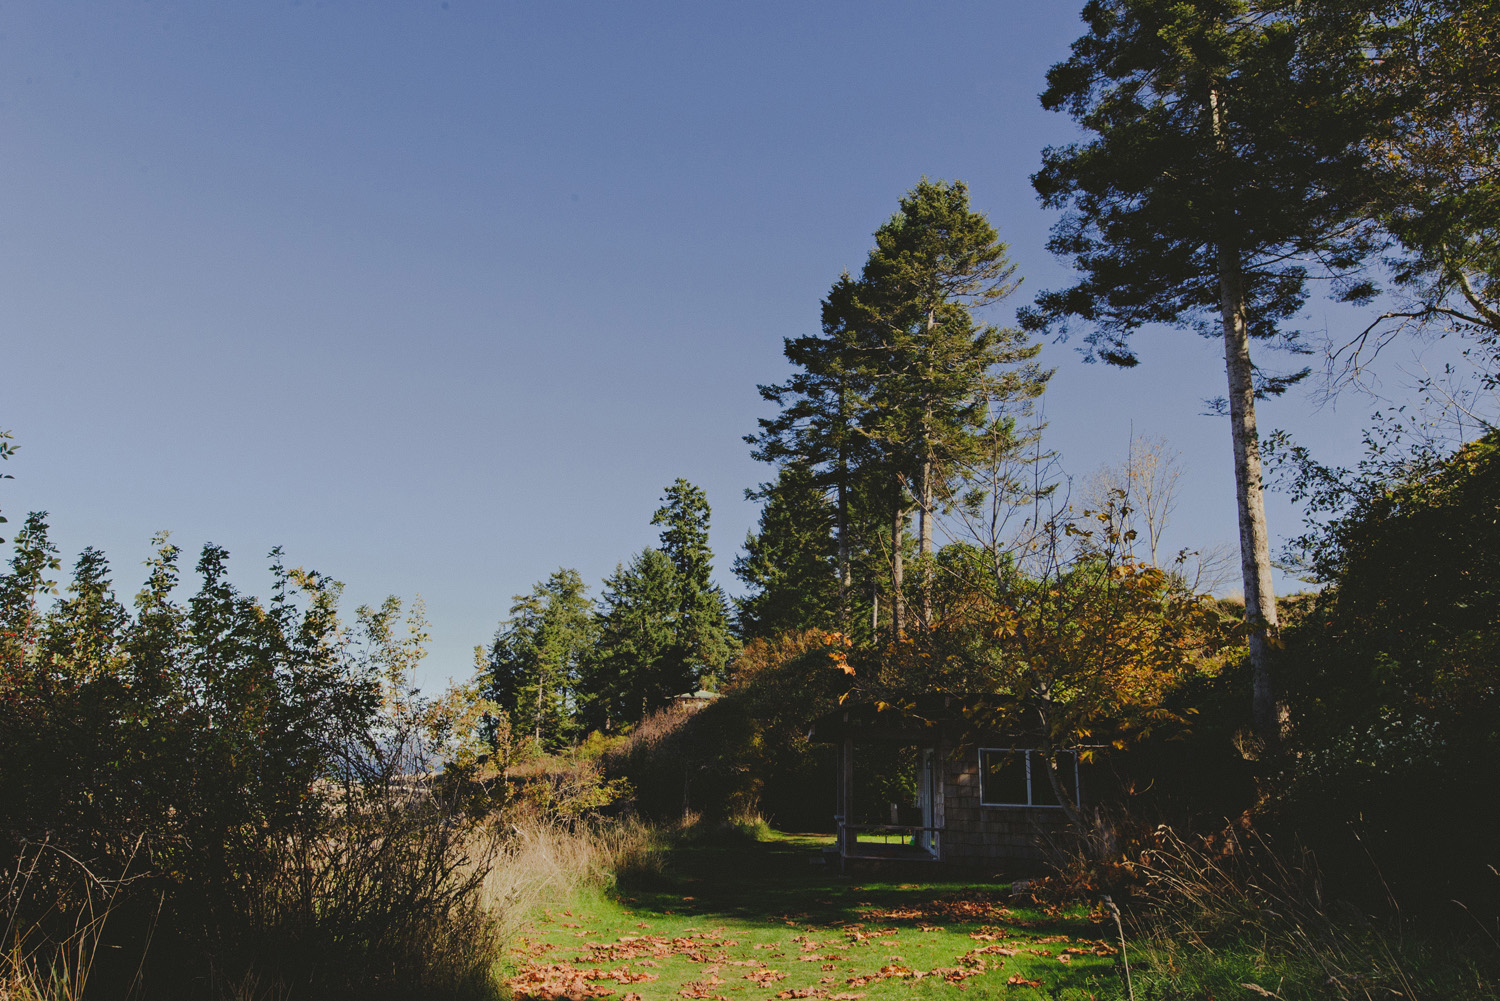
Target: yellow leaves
[(839, 654)]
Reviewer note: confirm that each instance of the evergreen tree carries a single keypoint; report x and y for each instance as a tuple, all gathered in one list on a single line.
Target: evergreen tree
[(1431, 104), (938, 373), (1223, 159), (635, 669), (702, 644), (896, 396), (790, 563), (818, 427), (537, 660)]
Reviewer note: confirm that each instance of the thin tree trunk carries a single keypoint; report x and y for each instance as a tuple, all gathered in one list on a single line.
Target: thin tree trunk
[(924, 498), (924, 538), (1255, 550), (846, 576), (898, 536), (539, 690), (846, 579)]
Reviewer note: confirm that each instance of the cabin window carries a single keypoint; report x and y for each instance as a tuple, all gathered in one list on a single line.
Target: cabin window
[(1013, 776)]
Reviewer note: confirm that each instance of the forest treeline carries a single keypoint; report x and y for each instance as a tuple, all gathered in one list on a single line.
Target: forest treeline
[(254, 786), (1236, 159)]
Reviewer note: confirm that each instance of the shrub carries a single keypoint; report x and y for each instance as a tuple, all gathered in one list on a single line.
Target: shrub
[(243, 782), (1393, 676)]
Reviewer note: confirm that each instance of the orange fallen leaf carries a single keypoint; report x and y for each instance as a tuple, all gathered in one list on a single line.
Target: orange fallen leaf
[(764, 976)]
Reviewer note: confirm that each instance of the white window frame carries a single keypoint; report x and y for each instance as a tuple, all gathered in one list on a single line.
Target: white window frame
[(1027, 752)]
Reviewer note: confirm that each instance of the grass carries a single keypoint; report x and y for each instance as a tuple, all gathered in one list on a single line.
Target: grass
[(732, 917), (1217, 919)]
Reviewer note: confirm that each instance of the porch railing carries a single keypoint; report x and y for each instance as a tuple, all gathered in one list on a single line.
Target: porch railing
[(889, 841)]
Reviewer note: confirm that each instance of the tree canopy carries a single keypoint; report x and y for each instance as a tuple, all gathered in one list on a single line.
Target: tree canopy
[(897, 394), (1225, 170)]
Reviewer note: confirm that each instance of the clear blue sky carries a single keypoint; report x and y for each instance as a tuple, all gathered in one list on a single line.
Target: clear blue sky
[(440, 295)]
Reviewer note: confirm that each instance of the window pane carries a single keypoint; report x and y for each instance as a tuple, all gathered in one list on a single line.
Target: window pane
[(1002, 777), (1041, 785)]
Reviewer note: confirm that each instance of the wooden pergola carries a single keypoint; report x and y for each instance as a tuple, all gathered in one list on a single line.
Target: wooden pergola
[(923, 727)]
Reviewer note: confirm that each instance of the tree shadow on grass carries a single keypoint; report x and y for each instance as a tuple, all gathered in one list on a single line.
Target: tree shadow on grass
[(786, 882)]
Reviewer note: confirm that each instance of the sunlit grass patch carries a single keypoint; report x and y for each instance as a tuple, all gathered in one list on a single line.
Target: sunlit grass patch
[(759, 921)]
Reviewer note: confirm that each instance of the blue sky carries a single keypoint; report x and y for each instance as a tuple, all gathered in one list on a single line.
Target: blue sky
[(440, 295)]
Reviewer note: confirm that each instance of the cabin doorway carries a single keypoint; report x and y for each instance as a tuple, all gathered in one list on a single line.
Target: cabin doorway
[(926, 837)]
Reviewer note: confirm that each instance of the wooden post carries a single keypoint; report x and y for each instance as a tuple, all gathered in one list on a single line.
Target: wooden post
[(846, 793)]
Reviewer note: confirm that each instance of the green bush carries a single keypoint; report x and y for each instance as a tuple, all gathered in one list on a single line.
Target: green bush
[(745, 753), (224, 791), (1393, 677)]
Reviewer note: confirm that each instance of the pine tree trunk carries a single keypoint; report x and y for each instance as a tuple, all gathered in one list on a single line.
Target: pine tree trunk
[(924, 539), (924, 498), (1250, 504), (846, 576), (898, 536), (1255, 550), (846, 579), (538, 726)]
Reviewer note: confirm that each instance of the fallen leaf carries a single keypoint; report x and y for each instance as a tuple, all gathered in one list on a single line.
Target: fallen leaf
[(764, 976)]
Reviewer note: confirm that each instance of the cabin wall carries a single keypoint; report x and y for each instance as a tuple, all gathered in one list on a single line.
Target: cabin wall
[(1011, 837)]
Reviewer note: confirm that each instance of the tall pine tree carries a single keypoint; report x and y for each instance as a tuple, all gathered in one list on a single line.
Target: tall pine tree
[(1222, 161), (633, 670), (892, 402), (703, 644), (663, 624), (790, 564), (939, 372), (818, 427), (538, 657)]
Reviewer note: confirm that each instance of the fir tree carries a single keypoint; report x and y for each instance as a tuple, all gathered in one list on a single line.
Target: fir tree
[(1222, 162), (538, 658), (702, 644), (635, 669), (790, 562)]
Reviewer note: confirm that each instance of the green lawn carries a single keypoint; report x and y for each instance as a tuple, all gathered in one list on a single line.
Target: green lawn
[(759, 920)]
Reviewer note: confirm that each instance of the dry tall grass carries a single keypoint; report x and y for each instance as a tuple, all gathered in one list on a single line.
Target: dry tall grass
[(37, 966), (1234, 912), (439, 910), (544, 861)]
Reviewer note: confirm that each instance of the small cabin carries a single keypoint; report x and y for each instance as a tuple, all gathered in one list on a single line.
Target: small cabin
[(968, 795)]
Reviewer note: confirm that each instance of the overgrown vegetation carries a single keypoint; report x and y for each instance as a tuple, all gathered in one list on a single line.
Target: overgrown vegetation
[(1395, 722), (228, 796)]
